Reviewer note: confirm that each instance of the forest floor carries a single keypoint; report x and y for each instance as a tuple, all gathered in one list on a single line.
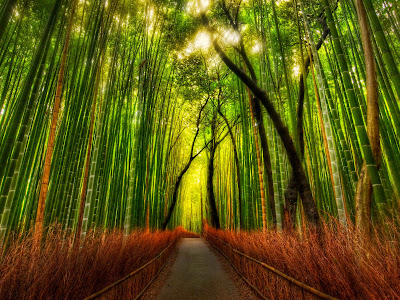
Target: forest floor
[(195, 271)]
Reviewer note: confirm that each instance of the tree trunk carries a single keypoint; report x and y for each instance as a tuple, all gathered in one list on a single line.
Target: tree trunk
[(210, 175), (291, 189), (259, 165), (294, 159), (364, 187), (175, 196), (257, 113), (6, 15), (362, 200), (147, 216), (210, 188), (235, 152), (362, 135), (261, 128), (52, 136), (86, 175), (147, 219), (266, 158), (201, 207)]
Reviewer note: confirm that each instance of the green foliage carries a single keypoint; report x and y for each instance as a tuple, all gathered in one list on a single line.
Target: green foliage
[(157, 67)]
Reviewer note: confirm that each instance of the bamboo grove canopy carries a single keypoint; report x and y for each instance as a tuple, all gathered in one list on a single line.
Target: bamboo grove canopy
[(247, 113)]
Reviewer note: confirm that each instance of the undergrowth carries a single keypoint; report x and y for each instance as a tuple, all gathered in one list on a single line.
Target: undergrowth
[(57, 272), (338, 262)]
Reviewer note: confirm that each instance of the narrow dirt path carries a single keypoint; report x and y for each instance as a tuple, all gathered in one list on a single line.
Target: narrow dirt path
[(197, 273)]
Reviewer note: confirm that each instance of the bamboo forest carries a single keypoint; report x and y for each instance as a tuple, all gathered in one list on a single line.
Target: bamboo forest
[(199, 149)]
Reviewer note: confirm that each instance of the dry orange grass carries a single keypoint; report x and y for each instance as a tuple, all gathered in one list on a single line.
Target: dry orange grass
[(340, 263), (58, 273)]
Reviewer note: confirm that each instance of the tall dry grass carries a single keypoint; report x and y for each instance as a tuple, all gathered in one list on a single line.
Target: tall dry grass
[(59, 273), (340, 262)]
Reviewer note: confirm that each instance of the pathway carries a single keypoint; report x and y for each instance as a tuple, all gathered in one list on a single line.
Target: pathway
[(197, 273)]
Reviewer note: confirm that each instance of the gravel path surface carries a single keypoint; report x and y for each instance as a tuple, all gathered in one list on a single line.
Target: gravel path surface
[(195, 271)]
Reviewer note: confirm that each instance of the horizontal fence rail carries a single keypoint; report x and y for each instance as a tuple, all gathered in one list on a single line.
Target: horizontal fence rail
[(136, 283), (268, 282)]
